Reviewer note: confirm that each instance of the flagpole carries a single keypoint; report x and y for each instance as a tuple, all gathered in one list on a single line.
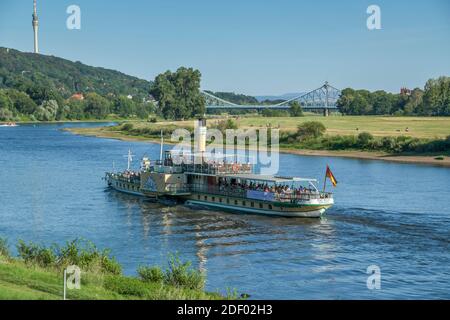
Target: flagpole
[(325, 181)]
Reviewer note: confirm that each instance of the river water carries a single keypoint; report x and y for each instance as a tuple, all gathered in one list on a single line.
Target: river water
[(393, 216)]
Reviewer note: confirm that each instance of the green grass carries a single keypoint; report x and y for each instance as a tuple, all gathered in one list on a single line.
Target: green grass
[(418, 127), (19, 281), (32, 278), (409, 136)]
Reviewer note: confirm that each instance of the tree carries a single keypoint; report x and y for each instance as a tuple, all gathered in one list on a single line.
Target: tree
[(345, 100), (381, 102), (123, 106), (75, 109), (436, 97), (311, 129), (21, 102), (47, 111), (96, 106), (178, 94), (5, 102), (5, 114), (39, 94), (414, 103), (296, 109)]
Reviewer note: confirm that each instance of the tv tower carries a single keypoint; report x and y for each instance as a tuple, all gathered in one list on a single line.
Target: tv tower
[(35, 28)]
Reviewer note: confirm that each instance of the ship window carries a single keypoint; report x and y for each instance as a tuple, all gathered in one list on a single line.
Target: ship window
[(235, 202), (252, 204), (260, 205), (270, 206), (198, 197), (243, 203), (228, 201), (220, 199), (206, 198), (213, 199)]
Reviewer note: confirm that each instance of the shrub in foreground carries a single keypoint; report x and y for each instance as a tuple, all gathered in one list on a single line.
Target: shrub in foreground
[(4, 248), (77, 252), (178, 273)]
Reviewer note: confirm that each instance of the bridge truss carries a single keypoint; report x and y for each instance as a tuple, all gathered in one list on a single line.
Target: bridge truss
[(324, 98)]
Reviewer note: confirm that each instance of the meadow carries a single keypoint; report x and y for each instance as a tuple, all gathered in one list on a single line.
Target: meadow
[(418, 127)]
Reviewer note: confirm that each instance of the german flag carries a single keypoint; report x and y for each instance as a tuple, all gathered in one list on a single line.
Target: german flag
[(330, 175)]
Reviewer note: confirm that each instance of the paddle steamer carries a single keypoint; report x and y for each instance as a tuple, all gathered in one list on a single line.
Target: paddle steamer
[(221, 185)]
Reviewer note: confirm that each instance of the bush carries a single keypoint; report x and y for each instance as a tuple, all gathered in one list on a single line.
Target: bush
[(36, 254), (110, 264), (86, 255), (182, 275), (151, 274), (4, 248), (127, 127), (364, 138), (177, 274), (226, 125), (310, 129), (126, 286), (270, 113), (340, 142), (77, 252)]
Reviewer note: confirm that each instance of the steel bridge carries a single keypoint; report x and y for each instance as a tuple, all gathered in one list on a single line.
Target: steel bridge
[(321, 99)]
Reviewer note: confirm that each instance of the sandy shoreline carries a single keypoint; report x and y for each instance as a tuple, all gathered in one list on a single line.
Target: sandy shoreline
[(363, 155)]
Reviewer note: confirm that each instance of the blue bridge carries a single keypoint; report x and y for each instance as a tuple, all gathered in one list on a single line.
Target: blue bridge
[(322, 99)]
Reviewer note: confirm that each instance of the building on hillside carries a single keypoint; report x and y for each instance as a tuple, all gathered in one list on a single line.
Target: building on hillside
[(405, 91), (77, 96)]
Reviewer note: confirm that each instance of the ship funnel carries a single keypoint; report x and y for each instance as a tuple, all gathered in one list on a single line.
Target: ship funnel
[(200, 141)]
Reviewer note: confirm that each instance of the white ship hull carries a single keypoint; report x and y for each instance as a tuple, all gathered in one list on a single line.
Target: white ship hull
[(313, 213)]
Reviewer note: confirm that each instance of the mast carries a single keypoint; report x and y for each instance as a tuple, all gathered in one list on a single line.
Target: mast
[(130, 159), (161, 147)]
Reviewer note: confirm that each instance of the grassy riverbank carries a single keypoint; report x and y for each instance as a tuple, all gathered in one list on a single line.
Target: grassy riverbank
[(340, 139), (37, 274)]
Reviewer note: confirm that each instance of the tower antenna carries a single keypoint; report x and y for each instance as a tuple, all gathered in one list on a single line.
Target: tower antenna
[(35, 24)]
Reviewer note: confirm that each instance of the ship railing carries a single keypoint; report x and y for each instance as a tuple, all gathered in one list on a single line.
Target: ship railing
[(259, 195), (214, 169), (122, 178), (230, 192)]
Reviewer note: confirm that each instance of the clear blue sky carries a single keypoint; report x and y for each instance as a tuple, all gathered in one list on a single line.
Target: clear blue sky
[(249, 46)]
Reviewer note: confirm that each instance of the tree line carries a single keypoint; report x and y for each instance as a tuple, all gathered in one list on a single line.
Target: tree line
[(433, 100), (46, 105)]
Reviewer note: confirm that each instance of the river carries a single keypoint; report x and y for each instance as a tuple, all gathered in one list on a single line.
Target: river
[(393, 216)]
